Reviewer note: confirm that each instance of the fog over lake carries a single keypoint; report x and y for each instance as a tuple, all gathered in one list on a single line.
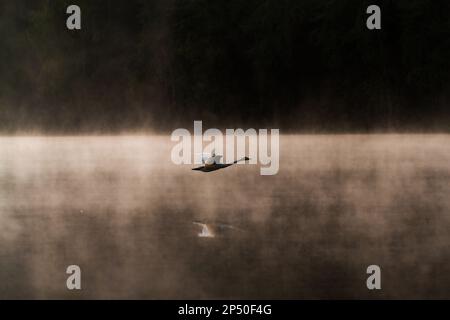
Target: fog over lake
[(121, 210)]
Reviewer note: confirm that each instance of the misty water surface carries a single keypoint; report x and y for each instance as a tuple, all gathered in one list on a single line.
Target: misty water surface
[(118, 208)]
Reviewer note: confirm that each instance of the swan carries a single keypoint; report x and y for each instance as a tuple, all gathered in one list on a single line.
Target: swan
[(212, 162)]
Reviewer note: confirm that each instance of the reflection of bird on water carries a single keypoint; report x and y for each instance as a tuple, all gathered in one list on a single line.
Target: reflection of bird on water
[(211, 230), (205, 230)]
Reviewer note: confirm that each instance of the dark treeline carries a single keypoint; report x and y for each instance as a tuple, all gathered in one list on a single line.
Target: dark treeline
[(308, 65)]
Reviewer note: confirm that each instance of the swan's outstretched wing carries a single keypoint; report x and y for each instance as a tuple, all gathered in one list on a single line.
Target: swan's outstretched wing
[(201, 157)]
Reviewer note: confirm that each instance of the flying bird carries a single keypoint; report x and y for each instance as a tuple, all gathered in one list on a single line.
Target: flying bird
[(212, 162)]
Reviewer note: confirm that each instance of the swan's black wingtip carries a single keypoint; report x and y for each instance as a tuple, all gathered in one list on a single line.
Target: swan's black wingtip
[(246, 158)]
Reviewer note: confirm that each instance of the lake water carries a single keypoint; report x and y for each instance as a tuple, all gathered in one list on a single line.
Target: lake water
[(121, 210)]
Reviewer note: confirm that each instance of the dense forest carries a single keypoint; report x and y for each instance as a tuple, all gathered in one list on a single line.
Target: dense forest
[(306, 66)]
